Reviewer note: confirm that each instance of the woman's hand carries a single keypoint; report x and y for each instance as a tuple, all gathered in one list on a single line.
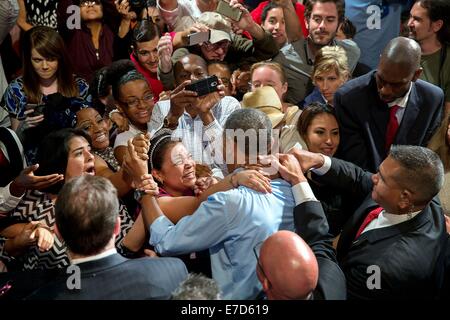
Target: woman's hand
[(32, 121), (120, 121), (43, 237), (252, 179)]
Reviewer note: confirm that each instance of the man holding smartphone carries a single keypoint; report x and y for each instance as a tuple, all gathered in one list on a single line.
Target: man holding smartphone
[(197, 120)]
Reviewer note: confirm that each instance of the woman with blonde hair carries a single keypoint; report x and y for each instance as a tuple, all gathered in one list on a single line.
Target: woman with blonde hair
[(329, 74)]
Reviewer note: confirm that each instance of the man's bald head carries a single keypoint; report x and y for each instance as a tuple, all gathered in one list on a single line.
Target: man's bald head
[(289, 265), (399, 65), (404, 52)]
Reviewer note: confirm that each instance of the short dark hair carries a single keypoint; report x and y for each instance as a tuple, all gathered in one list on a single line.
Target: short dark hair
[(348, 28), (144, 31), (340, 6), (197, 287), (267, 8), (86, 212), (248, 120), (439, 10), (53, 154), (309, 113), (121, 72), (423, 172)]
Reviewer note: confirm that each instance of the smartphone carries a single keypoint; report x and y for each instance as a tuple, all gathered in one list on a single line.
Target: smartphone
[(204, 86), (226, 10), (38, 109), (198, 37)]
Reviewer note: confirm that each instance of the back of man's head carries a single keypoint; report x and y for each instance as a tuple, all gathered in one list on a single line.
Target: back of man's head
[(422, 171), (403, 52), (289, 267), (251, 130), (439, 10), (86, 213)]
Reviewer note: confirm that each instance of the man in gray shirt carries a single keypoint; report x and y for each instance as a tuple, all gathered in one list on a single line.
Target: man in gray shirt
[(323, 18)]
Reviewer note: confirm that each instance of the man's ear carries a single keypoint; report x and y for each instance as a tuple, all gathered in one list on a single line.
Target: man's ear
[(437, 25), (406, 200), (117, 227), (417, 74)]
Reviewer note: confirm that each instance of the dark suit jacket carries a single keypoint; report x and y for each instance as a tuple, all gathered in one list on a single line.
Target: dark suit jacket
[(117, 278), (410, 255), (363, 119), (311, 224)]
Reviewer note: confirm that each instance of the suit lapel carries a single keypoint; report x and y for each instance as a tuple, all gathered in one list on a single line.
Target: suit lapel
[(409, 117), (378, 120), (351, 227)]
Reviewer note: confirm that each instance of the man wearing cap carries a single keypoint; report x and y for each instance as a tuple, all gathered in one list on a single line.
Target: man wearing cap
[(223, 44)]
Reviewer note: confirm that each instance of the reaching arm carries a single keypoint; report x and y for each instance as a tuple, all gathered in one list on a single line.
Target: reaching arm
[(22, 19)]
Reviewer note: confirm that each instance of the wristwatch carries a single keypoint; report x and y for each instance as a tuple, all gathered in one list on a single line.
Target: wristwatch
[(168, 124)]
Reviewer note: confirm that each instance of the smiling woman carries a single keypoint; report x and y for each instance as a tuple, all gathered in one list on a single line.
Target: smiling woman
[(67, 152), (134, 100)]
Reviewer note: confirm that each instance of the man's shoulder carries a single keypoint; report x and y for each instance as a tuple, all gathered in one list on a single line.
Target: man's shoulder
[(357, 86), (428, 90)]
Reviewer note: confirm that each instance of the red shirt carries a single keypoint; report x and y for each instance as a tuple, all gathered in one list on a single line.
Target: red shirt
[(299, 9)]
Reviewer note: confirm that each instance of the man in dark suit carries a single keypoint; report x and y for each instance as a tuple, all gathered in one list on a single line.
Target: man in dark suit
[(393, 246), (294, 267), (387, 106), (86, 214)]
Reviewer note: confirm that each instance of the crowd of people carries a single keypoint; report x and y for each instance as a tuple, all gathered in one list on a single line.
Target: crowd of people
[(174, 149)]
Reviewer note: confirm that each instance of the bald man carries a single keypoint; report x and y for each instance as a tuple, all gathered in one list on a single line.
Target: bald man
[(387, 106), (298, 268), (290, 267)]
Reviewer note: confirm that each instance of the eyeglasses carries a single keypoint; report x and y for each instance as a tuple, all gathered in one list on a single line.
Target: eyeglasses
[(215, 46), (180, 159), (134, 103), (256, 251), (89, 3)]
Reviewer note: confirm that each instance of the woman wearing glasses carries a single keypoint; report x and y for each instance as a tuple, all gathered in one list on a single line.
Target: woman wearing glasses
[(134, 100)]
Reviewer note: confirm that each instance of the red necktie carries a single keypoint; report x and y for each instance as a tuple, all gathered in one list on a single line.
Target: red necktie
[(371, 216), (392, 126)]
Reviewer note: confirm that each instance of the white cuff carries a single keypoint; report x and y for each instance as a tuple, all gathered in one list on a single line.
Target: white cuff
[(8, 202), (324, 168), (302, 192)]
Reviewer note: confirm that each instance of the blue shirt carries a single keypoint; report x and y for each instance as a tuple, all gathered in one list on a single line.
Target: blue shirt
[(230, 224)]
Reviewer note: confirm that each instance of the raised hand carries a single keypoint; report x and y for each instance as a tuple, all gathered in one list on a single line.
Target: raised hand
[(180, 99), (141, 145), (252, 179), (27, 180), (165, 50)]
